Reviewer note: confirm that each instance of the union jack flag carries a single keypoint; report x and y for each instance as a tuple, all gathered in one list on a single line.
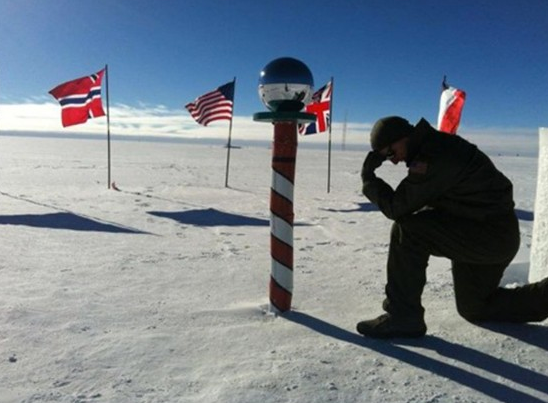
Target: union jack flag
[(80, 99), (321, 107), (214, 105)]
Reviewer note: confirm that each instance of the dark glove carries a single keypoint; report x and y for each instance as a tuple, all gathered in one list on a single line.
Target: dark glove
[(371, 163)]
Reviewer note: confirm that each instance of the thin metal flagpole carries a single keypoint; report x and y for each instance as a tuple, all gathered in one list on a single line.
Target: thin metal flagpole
[(329, 141), (228, 145), (343, 145), (108, 127)]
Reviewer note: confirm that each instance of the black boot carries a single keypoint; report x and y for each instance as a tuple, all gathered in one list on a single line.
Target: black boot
[(387, 326)]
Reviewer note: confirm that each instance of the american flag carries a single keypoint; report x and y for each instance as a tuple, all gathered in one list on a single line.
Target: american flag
[(80, 99), (215, 105), (451, 104), (321, 107)]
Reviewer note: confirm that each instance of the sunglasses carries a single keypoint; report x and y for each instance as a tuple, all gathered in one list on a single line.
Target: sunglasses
[(390, 153)]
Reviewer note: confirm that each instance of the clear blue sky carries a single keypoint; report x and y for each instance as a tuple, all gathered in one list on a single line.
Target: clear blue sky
[(387, 57)]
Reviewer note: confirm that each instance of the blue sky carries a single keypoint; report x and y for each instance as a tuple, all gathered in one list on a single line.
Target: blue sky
[(387, 57)]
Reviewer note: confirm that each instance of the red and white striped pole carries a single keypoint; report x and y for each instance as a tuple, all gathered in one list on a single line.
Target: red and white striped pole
[(284, 157), (285, 87), (284, 153)]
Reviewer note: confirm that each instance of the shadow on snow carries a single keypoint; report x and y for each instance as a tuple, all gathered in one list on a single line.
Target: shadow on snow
[(210, 218), (362, 207), (64, 220), (525, 215), (500, 368)]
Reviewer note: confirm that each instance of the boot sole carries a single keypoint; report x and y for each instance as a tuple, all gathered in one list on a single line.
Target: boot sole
[(393, 334)]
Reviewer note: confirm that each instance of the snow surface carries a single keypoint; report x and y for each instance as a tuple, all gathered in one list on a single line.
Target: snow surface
[(158, 292)]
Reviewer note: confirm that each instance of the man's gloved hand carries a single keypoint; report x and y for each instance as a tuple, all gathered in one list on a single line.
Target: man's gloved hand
[(370, 164)]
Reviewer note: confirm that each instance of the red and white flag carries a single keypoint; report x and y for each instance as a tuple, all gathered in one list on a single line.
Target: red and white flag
[(451, 104), (80, 99)]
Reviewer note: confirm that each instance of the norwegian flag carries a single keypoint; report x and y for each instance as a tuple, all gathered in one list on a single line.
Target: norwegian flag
[(451, 104), (321, 107), (80, 99)]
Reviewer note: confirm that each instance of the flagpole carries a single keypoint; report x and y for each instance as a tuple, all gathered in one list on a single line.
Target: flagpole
[(343, 145), (229, 146), (329, 141), (108, 127)]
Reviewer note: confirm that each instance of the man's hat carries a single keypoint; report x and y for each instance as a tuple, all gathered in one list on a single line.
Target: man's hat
[(388, 130)]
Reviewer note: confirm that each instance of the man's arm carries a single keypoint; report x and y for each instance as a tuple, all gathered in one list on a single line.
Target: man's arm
[(423, 184)]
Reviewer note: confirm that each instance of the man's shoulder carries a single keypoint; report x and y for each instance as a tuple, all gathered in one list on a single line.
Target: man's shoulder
[(447, 144), (442, 153)]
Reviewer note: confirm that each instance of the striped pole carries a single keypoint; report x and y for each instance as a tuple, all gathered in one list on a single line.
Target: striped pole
[(285, 87), (284, 152), (284, 155)]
